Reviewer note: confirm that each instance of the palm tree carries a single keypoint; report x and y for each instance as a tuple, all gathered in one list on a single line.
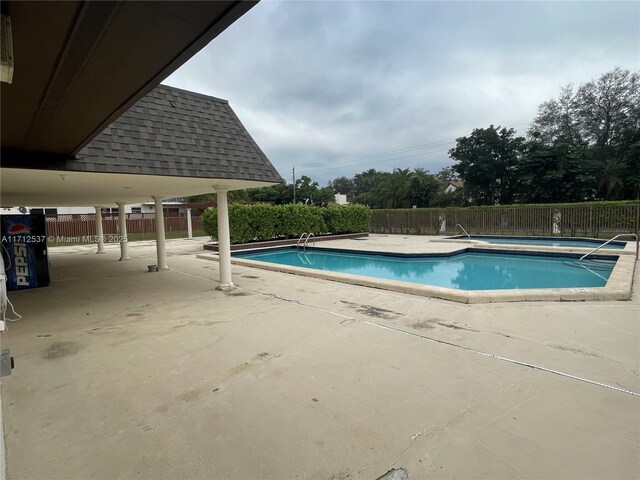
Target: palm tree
[(400, 188), (612, 176)]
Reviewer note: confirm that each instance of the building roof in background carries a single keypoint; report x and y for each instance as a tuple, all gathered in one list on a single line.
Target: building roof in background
[(173, 132)]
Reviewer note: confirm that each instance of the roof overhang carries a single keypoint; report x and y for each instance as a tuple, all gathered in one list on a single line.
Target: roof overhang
[(79, 65), (51, 188)]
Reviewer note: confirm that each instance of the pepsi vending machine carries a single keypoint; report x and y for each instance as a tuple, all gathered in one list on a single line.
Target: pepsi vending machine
[(24, 251)]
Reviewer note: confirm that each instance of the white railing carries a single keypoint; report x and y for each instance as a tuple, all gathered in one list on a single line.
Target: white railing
[(611, 240), (462, 228)]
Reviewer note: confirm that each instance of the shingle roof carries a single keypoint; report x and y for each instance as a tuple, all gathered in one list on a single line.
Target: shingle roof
[(173, 132)]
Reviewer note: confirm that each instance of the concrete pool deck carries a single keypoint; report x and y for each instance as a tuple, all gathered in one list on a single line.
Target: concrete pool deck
[(122, 373), (618, 286)]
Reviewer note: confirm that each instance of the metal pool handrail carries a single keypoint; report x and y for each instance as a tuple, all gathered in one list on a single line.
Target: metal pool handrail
[(462, 228), (301, 238), (307, 240), (611, 240)]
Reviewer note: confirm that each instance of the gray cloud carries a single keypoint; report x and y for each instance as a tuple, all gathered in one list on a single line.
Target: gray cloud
[(320, 83)]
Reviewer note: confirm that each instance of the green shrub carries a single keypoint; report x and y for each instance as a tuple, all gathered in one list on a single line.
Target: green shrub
[(263, 221), (246, 222), (294, 220), (347, 218), (209, 221)]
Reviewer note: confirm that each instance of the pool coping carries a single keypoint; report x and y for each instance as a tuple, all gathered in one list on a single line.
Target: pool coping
[(286, 242), (618, 287), (629, 249)]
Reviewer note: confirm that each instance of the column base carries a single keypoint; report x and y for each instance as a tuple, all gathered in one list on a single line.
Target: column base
[(100, 253), (124, 259), (162, 269), (225, 287)]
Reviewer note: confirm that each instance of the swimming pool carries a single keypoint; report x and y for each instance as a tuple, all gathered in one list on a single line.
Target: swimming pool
[(469, 269), (542, 241)]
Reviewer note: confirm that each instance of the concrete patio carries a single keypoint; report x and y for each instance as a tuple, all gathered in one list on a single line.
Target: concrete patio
[(122, 373)]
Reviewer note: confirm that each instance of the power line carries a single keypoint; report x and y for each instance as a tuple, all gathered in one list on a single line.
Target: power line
[(368, 156), (379, 161), (390, 152)]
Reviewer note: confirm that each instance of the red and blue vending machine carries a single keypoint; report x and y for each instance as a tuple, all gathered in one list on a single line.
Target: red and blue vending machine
[(24, 251)]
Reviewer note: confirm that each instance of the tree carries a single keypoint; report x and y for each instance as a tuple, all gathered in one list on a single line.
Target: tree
[(423, 187), (487, 160), (380, 196), (608, 109), (307, 191), (601, 117), (363, 186), (342, 185), (398, 189), (557, 120), (632, 184), (555, 173), (443, 199), (233, 196), (446, 176), (325, 196), (611, 178), (281, 194)]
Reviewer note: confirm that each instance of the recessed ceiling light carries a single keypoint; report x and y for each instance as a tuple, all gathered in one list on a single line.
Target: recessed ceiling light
[(128, 187)]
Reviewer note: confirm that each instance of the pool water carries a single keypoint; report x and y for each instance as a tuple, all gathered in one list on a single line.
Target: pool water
[(544, 241), (467, 270)]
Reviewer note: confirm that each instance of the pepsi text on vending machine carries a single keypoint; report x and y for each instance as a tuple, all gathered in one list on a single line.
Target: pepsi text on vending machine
[(24, 251)]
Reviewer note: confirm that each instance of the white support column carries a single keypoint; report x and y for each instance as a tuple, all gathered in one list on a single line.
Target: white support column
[(122, 227), (99, 233), (224, 241), (189, 225), (160, 241)]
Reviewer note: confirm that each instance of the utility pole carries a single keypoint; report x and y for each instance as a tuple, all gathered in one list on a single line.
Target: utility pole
[(294, 185)]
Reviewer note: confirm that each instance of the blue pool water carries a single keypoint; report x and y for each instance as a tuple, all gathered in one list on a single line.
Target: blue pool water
[(544, 241), (468, 270)]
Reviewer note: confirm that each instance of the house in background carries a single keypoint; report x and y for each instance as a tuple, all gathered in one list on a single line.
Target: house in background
[(341, 199), (454, 186)]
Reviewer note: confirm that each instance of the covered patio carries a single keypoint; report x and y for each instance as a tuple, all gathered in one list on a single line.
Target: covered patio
[(76, 70), (171, 143)]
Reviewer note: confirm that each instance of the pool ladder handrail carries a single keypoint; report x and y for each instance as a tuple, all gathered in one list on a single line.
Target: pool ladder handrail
[(306, 237), (611, 240), (462, 228), (302, 237), (309, 236)]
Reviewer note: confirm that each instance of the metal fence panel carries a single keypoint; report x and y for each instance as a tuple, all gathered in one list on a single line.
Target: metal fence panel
[(601, 221)]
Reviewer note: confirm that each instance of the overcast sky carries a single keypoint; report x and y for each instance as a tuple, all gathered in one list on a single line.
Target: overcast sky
[(335, 88)]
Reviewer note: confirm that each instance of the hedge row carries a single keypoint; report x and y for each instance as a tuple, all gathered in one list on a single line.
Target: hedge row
[(262, 221)]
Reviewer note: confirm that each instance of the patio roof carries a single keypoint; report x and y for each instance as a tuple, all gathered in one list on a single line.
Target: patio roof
[(177, 133), (80, 65), (171, 143)]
